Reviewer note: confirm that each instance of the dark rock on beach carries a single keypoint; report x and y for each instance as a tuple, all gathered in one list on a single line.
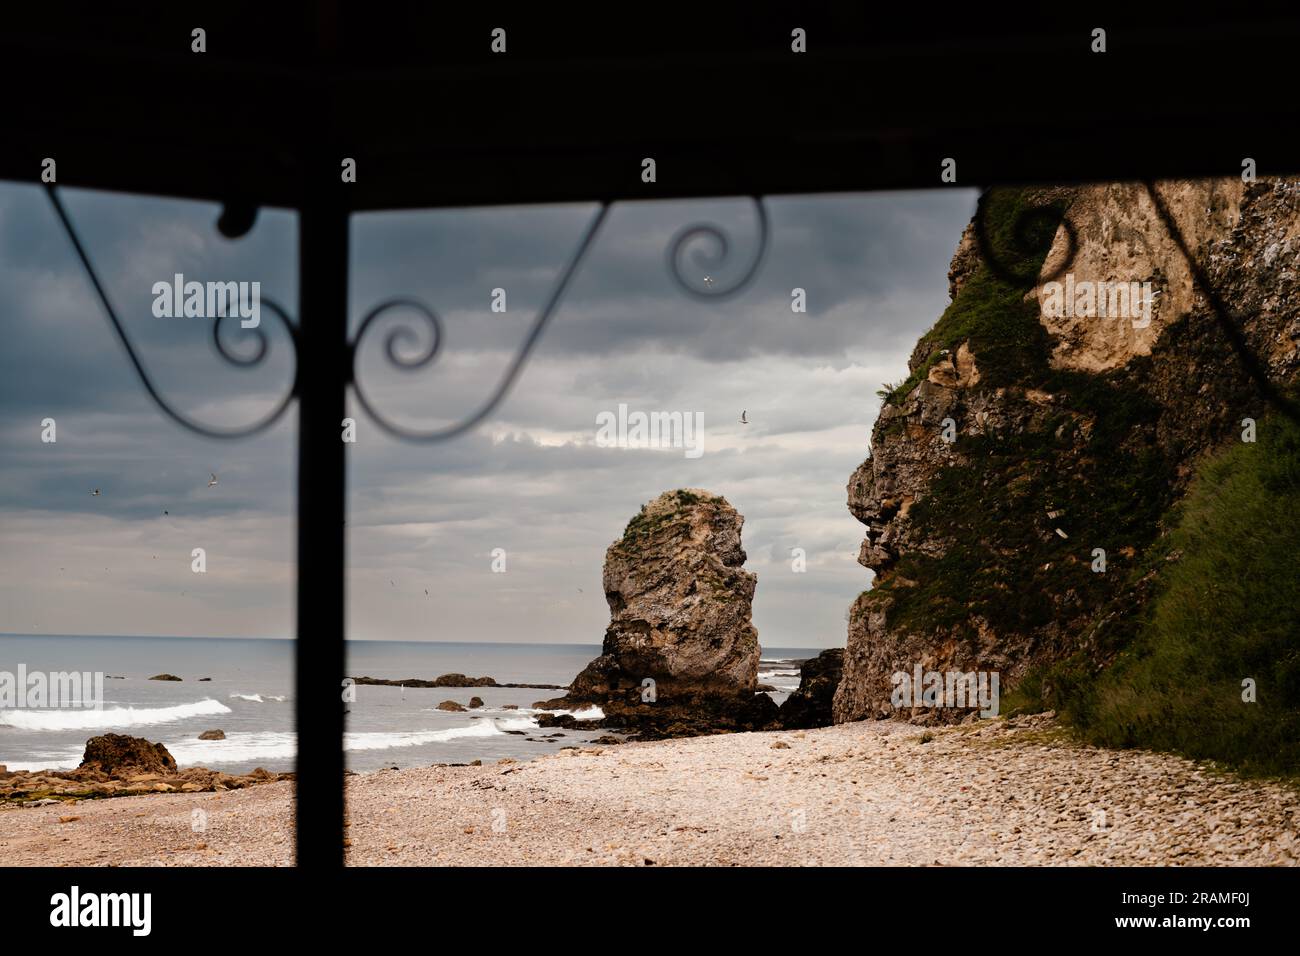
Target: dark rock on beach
[(452, 706), (116, 765), (811, 704), (213, 735), (114, 753), (164, 677), (567, 722)]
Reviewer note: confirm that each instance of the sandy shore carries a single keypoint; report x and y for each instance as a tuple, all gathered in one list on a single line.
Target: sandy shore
[(866, 793)]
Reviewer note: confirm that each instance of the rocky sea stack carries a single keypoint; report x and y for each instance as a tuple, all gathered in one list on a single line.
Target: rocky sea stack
[(680, 655)]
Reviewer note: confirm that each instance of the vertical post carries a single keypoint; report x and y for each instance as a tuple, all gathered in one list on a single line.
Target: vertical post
[(323, 372)]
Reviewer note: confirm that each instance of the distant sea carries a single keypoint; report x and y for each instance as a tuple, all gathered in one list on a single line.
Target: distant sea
[(250, 698)]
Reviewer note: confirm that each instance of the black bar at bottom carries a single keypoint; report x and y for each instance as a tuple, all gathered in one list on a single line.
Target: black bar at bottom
[(322, 480)]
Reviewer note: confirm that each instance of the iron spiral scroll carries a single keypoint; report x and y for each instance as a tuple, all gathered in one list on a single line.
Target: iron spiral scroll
[(402, 346)]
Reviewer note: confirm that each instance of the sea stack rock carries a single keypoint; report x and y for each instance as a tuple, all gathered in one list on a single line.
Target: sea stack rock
[(680, 601)]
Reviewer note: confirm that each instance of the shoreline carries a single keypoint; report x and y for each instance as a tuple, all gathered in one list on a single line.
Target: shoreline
[(1008, 792)]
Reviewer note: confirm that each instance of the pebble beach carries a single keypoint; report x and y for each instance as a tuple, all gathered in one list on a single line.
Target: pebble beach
[(997, 792)]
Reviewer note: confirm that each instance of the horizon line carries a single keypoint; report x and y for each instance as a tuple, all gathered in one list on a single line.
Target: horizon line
[(358, 640)]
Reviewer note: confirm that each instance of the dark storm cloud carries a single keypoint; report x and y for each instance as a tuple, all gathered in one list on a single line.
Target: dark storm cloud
[(866, 263), (531, 481)]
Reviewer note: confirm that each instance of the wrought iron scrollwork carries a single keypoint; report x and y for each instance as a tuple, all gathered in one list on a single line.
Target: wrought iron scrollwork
[(1036, 224), (1249, 360), (234, 358), (402, 345), (707, 262), (1030, 228), (427, 355)]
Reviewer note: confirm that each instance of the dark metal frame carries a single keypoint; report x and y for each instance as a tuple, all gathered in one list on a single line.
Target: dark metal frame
[(325, 366), (720, 102)]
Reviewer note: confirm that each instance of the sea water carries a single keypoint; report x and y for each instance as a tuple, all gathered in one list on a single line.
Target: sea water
[(249, 697)]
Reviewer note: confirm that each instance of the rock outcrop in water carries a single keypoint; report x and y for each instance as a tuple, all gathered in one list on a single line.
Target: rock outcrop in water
[(679, 600), (1023, 543), (115, 765), (680, 655), (118, 753), (810, 705)]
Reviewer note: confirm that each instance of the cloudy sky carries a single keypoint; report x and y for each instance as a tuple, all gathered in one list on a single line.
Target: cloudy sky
[(531, 481)]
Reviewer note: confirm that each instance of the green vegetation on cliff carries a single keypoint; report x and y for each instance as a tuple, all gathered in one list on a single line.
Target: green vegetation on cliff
[(1003, 559), (1226, 611), (647, 522), (1198, 595), (990, 310)]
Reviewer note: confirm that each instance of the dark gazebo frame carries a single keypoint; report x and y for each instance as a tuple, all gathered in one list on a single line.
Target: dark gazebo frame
[(719, 99)]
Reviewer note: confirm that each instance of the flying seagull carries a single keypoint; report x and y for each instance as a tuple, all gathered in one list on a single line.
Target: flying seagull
[(212, 480), (708, 280), (95, 493), (743, 419)]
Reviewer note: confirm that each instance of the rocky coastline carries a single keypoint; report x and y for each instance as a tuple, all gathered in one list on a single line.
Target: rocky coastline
[(116, 765)]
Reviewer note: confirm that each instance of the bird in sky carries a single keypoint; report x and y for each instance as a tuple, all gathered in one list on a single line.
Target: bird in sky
[(212, 480), (166, 512), (743, 419), (95, 493), (426, 592), (708, 280)]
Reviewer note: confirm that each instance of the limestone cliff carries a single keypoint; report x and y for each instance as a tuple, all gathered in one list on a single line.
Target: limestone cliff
[(1021, 541)]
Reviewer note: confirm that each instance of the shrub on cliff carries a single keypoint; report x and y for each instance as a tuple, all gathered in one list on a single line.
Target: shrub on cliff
[(1225, 612)]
